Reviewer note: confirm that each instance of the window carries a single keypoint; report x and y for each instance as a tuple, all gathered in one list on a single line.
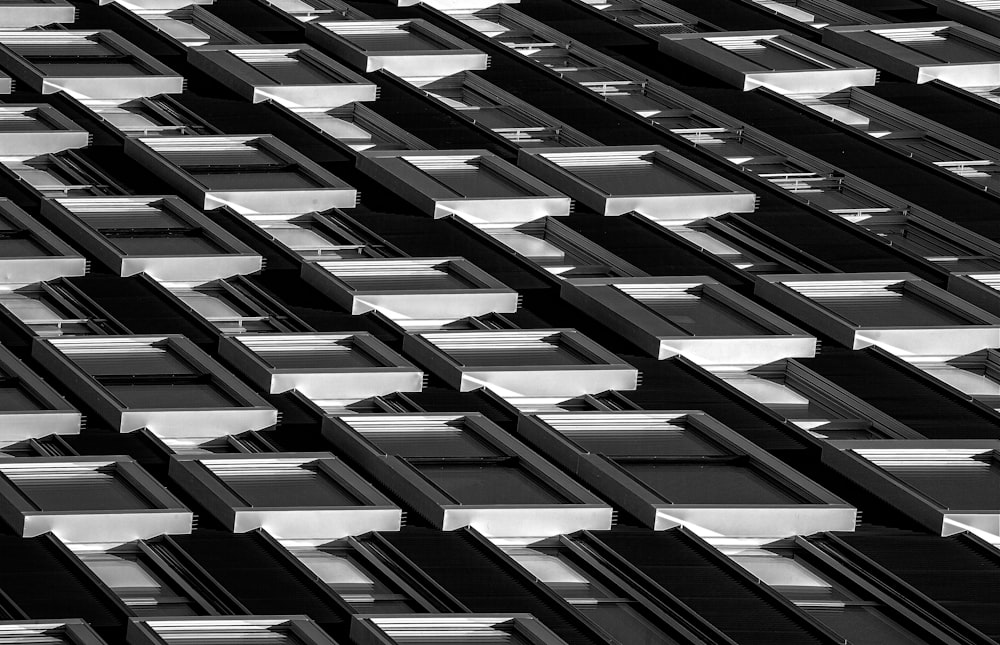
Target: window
[(460, 629), (487, 106), (60, 175), (559, 250), (292, 496), (133, 576), (922, 52), (309, 10), (90, 64), (36, 128), (155, 382), (402, 47), (314, 237), (847, 611), (295, 77), (522, 362), (67, 632), (947, 486), (192, 26), (349, 570), (975, 374), (233, 306), (777, 60), (815, 13), (88, 499), (55, 309), (161, 236), (811, 402), (322, 366), (896, 311), (953, 478), (477, 187), (649, 19), (250, 630), (411, 289), (249, 174), (601, 603), (650, 181), (23, 242), (688, 469), (463, 470), (268, 482), (148, 117), (359, 128), (29, 407), (695, 317)]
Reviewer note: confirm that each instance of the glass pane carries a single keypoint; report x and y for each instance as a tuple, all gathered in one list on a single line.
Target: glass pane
[(625, 623), (166, 245), (687, 483), (289, 487), (92, 491), (864, 625), (172, 396), (282, 179), (490, 484), (14, 398)]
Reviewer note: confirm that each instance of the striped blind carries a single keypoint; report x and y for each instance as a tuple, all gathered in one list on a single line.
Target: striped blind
[(627, 434), (124, 356), (224, 632), (453, 631), (397, 275)]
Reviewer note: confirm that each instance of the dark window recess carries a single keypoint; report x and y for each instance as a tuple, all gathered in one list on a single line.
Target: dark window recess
[(497, 480), (932, 564), (46, 581), (599, 601), (135, 579), (284, 485), (433, 442), (259, 577), (719, 595), (15, 397), (356, 580), (892, 388), (486, 581), (96, 490), (726, 480)]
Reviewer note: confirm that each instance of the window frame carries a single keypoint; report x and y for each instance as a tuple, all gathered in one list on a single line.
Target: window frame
[(818, 510), (918, 504), (485, 294), (63, 261), (164, 513), (233, 256), (330, 522), (59, 417), (56, 132), (365, 630), (452, 56), (605, 371), (979, 330), (329, 191), (719, 195), (398, 171), (158, 79), (915, 65), (343, 86), (644, 327), (250, 411), (142, 631), (395, 374), (581, 510)]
